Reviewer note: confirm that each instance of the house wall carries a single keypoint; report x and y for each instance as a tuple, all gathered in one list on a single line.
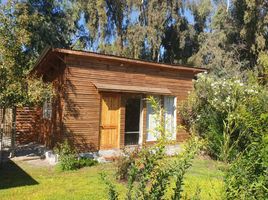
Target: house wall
[(52, 130), (31, 126), (81, 100), (28, 125)]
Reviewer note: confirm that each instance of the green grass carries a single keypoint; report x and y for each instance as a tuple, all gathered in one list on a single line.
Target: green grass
[(22, 181), (206, 175)]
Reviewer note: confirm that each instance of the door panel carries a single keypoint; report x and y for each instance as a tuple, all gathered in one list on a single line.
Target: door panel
[(110, 121)]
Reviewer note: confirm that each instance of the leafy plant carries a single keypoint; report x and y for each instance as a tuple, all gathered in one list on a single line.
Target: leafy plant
[(68, 158), (151, 173), (86, 162), (217, 111), (247, 177), (124, 162), (112, 193)]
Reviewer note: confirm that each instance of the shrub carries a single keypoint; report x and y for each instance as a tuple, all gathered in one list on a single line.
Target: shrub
[(215, 111), (124, 162), (247, 177), (151, 174), (112, 193), (86, 162), (68, 158)]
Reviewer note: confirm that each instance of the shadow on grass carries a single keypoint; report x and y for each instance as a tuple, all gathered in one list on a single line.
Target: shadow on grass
[(11, 175)]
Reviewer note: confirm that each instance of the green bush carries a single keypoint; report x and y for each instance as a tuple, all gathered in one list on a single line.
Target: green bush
[(247, 177), (154, 176), (68, 158), (232, 115), (86, 162), (112, 193), (215, 110)]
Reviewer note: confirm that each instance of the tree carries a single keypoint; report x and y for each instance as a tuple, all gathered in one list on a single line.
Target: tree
[(132, 28), (26, 27), (238, 34), (251, 20)]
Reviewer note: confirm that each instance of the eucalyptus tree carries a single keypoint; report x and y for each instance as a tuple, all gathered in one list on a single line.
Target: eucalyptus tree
[(251, 21), (153, 30), (238, 34)]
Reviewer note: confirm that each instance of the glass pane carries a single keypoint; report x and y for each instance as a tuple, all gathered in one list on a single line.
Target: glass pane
[(132, 121), (151, 122), (170, 118)]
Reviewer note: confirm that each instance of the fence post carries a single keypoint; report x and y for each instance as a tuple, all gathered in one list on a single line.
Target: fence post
[(2, 112), (1, 142), (13, 132)]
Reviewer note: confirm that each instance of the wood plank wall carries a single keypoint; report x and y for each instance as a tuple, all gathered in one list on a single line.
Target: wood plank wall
[(28, 121), (82, 100)]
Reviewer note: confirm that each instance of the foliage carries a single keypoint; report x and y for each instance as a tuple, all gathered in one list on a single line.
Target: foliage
[(262, 67), (86, 162), (26, 27), (131, 28), (124, 161), (112, 193), (217, 111), (68, 158), (238, 35), (150, 173), (247, 178)]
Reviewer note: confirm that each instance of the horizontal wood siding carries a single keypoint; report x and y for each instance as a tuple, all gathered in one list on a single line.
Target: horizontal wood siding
[(52, 130), (82, 100), (81, 110), (28, 125)]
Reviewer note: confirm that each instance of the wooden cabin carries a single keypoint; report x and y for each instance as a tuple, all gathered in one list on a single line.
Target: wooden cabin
[(100, 100)]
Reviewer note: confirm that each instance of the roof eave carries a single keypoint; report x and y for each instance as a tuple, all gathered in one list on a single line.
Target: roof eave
[(129, 61), (44, 54)]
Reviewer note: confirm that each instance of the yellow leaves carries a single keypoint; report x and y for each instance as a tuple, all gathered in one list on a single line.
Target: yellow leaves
[(260, 42)]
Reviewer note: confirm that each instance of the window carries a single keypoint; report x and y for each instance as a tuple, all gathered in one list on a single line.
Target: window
[(132, 121), (151, 122), (47, 109), (170, 116)]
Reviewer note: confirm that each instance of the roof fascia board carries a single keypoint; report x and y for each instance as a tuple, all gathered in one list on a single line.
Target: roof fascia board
[(129, 61)]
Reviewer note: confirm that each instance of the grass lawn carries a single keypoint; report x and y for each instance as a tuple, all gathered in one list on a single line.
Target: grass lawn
[(21, 181)]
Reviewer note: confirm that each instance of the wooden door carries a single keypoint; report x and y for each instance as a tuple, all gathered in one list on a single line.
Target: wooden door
[(110, 121)]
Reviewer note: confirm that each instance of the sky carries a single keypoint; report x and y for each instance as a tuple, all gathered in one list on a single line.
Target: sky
[(3, 1)]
